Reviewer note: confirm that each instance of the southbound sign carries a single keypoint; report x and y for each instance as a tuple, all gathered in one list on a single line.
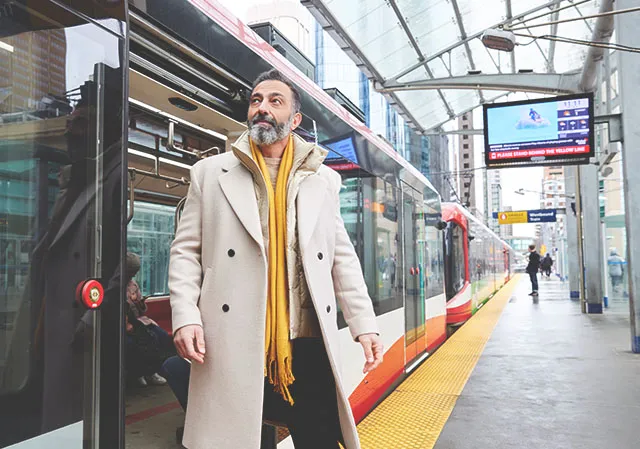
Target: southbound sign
[(526, 216)]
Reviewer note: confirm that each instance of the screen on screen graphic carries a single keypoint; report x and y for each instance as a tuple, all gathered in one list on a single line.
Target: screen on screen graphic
[(540, 132), (341, 149)]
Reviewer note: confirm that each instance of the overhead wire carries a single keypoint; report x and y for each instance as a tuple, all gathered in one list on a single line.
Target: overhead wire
[(576, 19), (567, 40)]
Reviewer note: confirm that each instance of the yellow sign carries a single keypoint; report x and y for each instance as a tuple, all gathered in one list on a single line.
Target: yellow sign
[(513, 217), (543, 249)]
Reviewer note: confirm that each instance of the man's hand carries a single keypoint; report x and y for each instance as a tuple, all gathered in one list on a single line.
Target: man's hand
[(189, 341), (373, 351)]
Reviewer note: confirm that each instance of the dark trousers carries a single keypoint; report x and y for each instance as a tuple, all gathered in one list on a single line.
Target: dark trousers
[(177, 371), (534, 281), (313, 420)]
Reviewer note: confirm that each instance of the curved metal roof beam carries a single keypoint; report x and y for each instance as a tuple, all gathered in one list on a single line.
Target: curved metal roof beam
[(544, 83)]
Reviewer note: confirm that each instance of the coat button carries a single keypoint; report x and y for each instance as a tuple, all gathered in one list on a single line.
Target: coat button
[(320, 256), (231, 253), (328, 309), (225, 308), (224, 170)]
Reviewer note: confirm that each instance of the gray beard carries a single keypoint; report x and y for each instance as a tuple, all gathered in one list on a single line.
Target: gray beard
[(268, 136)]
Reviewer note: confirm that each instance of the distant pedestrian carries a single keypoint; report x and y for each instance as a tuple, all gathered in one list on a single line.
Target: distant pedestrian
[(616, 269), (532, 269), (546, 265)]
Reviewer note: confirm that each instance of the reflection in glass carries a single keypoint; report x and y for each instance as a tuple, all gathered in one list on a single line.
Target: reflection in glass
[(60, 201)]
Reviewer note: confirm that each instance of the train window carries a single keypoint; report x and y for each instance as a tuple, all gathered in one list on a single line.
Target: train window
[(149, 235), (370, 209), (454, 264), (434, 261)]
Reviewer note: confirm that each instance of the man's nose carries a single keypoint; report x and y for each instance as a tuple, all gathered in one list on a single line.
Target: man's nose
[(263, 107)]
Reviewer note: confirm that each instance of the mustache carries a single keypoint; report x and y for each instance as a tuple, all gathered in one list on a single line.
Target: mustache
[(264, 118)]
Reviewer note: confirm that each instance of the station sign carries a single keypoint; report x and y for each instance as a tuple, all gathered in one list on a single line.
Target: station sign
[(526, 216), (512, 217)]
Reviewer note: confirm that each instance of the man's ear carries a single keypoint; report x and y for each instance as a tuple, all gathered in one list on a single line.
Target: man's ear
[(297, 119)]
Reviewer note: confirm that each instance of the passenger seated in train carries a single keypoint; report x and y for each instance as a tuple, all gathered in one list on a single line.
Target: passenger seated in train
[(147, 345)]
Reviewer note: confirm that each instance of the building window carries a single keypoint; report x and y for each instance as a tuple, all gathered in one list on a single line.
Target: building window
[(465, 146), (465, 137), (465, 156), (467, 185), (466, 165), (464, 117), (465, 126)]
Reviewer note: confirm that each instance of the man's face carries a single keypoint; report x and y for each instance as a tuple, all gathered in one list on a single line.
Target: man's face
[(270, 117)]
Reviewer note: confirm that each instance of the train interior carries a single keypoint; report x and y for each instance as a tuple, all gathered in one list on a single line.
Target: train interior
[(168, 132)]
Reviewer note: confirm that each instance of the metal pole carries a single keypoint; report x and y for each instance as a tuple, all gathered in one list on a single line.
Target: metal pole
[(573, 272), (605, 285), (580, 241), (590, 203), (629, 76)]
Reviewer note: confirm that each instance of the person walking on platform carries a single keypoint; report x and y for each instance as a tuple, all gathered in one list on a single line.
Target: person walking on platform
[(616, 269), (260, 258), (546, 264), (532, 269)]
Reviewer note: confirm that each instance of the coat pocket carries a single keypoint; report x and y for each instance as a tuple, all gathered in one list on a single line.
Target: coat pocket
[(206, 285)]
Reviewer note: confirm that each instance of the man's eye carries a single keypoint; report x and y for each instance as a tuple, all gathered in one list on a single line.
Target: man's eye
[(276, 101), (255, 101)]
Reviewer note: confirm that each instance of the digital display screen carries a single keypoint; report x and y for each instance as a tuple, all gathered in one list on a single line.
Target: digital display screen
[(342, 149), (555, 131)]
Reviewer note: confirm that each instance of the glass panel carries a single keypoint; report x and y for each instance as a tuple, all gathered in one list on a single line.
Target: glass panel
[(149, 236), (60, 200), (461, 100), (432, 23), (478, 16), (374, 27), (426, 106)]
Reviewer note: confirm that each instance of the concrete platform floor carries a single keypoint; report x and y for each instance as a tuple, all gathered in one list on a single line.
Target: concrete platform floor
[(551, 377)]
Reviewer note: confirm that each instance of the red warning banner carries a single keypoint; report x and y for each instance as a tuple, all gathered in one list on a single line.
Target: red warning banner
[(539, 152)]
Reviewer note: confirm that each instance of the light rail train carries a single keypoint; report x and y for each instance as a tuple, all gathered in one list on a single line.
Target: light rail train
[(100, 163)]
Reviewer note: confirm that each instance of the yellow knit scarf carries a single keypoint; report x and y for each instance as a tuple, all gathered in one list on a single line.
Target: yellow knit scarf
[(278, 353)]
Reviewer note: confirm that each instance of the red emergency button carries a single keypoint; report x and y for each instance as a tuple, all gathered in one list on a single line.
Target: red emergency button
[(90, 294)]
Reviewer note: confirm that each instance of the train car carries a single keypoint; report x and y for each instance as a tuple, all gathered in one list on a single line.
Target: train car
[(145, 89), (477, 263)]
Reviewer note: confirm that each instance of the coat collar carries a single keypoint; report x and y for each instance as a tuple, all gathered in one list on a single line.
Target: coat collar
[(242, 176), (307, 156)]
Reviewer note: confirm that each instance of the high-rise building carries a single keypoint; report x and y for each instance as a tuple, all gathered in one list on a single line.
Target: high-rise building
[(493, 201), (466, 164), (553, 235), (36, 70)]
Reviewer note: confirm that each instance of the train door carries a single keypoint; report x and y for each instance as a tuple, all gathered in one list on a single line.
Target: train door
[(415, 339), (61, 139)]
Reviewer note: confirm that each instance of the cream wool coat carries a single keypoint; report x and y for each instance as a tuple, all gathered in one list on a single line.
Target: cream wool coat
[(218, 279)]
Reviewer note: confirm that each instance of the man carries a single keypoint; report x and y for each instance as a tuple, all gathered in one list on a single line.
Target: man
[(260, 257), (532, 269), (616, 269), (546, 264)]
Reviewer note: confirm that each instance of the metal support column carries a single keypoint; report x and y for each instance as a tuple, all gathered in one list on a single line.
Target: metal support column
[(629, 76), (580, 242), (592, 247), (572, 233)]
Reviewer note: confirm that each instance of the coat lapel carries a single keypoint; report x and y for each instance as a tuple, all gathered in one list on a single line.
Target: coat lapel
[(238, 187), (309, 204)]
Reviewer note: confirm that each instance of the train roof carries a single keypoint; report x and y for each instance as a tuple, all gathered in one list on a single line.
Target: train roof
[(244, 55)]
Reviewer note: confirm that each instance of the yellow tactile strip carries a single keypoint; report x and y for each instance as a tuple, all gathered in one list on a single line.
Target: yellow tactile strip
[(413, 416)]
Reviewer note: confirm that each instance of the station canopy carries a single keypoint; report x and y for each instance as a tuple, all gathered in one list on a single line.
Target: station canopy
[(427, 58)]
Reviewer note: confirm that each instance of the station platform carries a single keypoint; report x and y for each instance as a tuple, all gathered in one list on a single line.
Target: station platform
[(523, 372)]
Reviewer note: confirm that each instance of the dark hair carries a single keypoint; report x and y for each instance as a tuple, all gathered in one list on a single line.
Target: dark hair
[(532, 246), (275, 75)]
